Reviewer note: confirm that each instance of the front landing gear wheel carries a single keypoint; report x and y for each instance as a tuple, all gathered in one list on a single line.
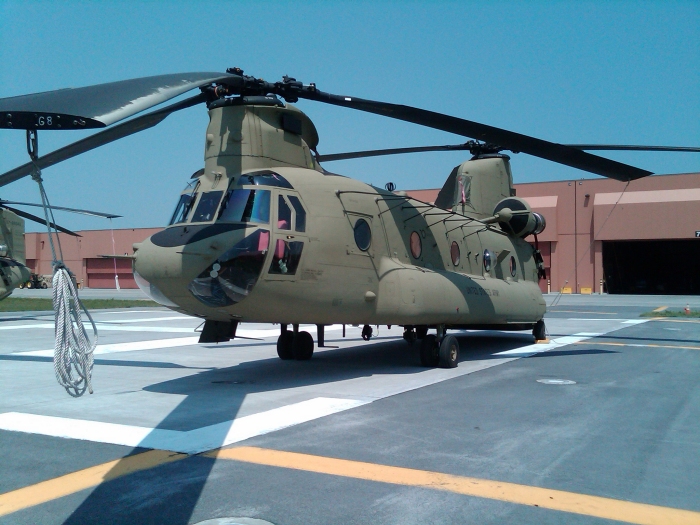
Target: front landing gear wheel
[(449, 352), (284, 345), (429, 352), (303, 346), (539, 331)]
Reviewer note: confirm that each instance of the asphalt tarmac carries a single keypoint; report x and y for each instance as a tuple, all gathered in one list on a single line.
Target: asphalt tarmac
[(600, 425)]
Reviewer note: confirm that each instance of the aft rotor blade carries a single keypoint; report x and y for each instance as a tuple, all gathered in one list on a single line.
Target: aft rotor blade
[(34, 218), (462, 147), (61, 208), (395, 151), (509, 140), (100, 139), (100, 105)]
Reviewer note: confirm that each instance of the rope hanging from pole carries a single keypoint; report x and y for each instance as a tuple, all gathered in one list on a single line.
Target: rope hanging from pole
[(73, 350)]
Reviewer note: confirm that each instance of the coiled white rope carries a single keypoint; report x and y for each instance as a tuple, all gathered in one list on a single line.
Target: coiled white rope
[(74, 351)]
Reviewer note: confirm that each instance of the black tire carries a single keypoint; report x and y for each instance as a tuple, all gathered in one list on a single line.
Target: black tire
[(44, 286), (303, 346), (429, 355), (539, 331), (30, 285), (449, 352), (284, 345), (421, 332)]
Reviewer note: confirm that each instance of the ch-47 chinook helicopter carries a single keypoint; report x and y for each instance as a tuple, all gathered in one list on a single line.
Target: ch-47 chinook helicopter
[(13, 270), (263, 233)]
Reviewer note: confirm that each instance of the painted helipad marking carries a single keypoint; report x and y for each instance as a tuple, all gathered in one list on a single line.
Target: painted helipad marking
[(637, 345), (189, 442), (571, 502), (556, 381), (83, 479)]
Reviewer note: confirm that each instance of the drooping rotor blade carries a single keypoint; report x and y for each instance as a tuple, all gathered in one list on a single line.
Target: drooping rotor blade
[(469, 146), (100, 139), (61, 208), (100, 105), (34, 218), (610, 147), (516, 142)]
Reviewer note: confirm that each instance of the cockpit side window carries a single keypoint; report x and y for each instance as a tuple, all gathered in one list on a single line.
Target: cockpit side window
[(208, 204), (284, 214), (264, 178), (300, 221), (184, 206), (246, 205)]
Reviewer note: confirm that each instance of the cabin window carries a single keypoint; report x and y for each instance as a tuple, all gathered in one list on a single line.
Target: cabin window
[(454, 252), (416, 245), (246, 206), (300, 219), (286, 257), (363, 235), (487, 260), (208, 204), (513, 266), (264, 178)]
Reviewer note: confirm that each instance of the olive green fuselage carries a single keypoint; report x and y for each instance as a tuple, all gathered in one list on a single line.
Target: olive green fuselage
[(333, 249)]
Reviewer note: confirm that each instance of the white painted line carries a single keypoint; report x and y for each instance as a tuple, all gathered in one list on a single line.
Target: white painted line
[(190, 442), (127, 347), (152, 319), (635, 321)]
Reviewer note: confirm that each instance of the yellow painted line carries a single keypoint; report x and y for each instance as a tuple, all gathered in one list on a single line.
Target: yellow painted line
[(83, 479), (660, 309), (674, 320), (606, 508), (638, 345)]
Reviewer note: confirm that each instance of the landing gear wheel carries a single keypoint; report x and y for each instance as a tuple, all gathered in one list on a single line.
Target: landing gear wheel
[(539, 331), (303, 346), (429, 355), (44, 286), (30, 285), (449, 352), (421, 331), (284, 345)]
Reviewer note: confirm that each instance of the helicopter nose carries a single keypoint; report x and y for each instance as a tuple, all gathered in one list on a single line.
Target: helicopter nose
[(219, 271)]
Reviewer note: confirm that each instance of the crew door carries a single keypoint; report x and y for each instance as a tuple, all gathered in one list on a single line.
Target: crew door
[(288, 238)]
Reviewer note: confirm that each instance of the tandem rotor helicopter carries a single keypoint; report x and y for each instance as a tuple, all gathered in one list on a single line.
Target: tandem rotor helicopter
[(263, 233)]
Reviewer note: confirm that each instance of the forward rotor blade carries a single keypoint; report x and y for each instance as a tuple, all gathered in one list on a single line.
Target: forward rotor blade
[(100, 139), (610, 147), (510, 140), (34, 218), (72, 210), (100, 105)]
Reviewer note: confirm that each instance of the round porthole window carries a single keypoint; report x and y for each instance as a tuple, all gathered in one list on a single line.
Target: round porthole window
[(454, 252), (513, 267), (416, 245), (363, 235), (487, 260)]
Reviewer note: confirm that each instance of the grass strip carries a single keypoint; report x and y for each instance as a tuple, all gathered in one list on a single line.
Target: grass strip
[(22, 304), (672, 313)]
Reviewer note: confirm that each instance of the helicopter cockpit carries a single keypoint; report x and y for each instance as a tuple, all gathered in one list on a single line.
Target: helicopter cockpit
[(232, 276)]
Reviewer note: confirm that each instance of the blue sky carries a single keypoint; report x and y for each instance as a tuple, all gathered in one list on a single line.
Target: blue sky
[(600, 72)]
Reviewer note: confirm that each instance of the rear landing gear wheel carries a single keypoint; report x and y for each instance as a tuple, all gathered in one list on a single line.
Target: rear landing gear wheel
[(284, 345), (429, 352), (449, 352), (539, 331), (303, 346)]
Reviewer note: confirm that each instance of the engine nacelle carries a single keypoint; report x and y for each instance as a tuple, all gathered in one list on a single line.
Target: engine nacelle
[(515, 217)]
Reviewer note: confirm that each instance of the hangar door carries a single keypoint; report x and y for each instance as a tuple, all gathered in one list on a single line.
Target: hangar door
[(652, 267), (100, 273)]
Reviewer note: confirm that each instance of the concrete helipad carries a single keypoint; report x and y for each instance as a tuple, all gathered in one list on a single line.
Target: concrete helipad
[(603, 422)]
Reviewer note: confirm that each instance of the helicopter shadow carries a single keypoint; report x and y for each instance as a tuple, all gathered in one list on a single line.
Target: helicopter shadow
[(214, 398)]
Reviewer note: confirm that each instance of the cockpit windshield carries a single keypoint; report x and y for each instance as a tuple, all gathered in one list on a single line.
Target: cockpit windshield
[(184, 205), (246, 205)]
